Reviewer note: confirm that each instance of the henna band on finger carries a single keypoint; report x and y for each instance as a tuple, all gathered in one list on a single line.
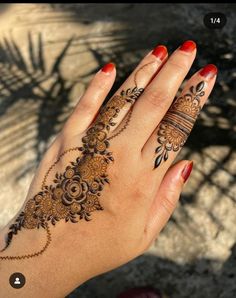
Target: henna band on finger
[(177, 124)]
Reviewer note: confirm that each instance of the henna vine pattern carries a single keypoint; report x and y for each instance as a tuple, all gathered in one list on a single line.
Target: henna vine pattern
[(176, 125), (75, 193)]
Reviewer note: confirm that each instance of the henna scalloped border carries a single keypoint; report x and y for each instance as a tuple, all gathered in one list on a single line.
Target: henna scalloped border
[(177, 124)]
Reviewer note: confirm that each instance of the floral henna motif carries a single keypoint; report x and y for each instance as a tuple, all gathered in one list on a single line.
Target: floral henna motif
[(75, 193), (176, 126)]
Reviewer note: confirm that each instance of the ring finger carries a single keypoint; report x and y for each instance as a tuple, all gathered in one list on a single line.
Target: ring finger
[(159, 94), (172, 132)]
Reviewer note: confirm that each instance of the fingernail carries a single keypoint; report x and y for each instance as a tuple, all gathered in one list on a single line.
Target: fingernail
[(108, 68), (209, 71), (188, 46), (160, 52), (187, 171)]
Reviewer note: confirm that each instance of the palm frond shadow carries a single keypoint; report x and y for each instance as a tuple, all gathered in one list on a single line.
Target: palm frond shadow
[(22, 86), (217, 122)]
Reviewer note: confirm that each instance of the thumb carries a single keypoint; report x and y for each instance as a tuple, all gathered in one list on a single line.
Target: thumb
[(167, 197)]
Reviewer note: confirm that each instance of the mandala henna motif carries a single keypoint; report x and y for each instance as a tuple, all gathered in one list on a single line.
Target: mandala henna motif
[(177, 124), (75, 193)]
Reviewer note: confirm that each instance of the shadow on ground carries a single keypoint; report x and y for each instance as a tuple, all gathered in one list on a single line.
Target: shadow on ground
[(45, 92), (23, 80), (178, 281), (42, 91)]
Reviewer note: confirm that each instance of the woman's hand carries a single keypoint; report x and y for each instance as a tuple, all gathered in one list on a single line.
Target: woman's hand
[(106, 187)]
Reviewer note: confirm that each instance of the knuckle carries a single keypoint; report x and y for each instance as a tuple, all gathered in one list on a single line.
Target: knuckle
[(84, 106), (169, 205), (53, 152), (100, 85), (157, 98), (179, 66), (68, 129), (141, 192)]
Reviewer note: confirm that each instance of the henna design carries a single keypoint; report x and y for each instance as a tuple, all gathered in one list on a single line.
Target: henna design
[(177, 124), (55, 163), (128, 117), (137, 72), (28, 256), (75, 193)]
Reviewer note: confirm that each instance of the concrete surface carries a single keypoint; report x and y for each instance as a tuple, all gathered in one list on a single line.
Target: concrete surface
[(48, 53)]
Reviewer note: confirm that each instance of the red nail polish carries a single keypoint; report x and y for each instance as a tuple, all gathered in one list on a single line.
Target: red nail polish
[(209, 71), (187, 171), (108, 68), (160, 52), (188, 46)]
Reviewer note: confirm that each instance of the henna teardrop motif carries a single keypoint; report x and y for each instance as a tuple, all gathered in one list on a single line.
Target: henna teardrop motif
[(177, 124), (75, 193)]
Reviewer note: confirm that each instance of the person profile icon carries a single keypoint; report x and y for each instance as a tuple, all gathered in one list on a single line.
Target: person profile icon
[(17, 281)]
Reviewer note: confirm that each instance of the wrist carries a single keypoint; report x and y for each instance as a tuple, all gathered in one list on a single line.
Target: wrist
[(49, 274)]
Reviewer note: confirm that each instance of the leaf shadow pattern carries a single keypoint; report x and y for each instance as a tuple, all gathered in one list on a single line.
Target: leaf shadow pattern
[(211, 143), (216, 127), (217, 123), (201, 278), (35, 90)]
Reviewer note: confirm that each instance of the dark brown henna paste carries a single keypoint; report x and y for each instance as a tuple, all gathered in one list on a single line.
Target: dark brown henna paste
[(75, 193), (177, 124), (28, 256), (127, 120)]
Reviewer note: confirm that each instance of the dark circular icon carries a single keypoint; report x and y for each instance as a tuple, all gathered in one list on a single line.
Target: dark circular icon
[(215, 20), (17, 280)]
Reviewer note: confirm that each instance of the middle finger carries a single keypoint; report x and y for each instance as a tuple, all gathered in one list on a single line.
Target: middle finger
[(158, 96)]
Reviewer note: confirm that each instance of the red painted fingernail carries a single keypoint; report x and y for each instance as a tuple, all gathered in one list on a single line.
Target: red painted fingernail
[(160, 52), (188, 46), (108, 68), (187, 171), (209, 71)]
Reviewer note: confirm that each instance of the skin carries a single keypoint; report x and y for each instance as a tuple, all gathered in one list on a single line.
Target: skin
[(138, 200)]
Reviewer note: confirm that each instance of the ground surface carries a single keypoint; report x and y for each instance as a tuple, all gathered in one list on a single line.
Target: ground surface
[(48, 54)]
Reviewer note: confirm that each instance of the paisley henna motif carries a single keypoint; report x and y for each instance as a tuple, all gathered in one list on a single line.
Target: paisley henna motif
[(75, 193), (177, 124)]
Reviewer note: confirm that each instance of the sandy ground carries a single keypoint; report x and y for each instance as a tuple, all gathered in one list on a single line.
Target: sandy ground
[(48, 54)]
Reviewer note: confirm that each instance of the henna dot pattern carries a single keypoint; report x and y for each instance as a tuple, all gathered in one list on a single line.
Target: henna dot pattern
[(177, 124), (74, 194)]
